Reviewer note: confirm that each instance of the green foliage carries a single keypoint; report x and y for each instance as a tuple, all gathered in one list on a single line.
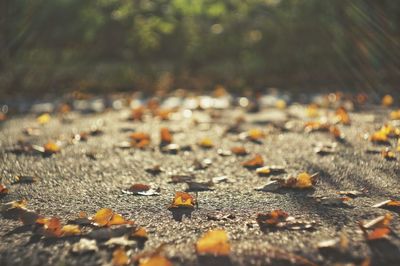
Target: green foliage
[(289, 43)]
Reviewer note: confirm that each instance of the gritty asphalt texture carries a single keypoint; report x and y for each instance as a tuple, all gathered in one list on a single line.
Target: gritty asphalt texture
[(71, 182)]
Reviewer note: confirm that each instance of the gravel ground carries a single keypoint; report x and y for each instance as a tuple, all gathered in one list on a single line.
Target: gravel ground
[(71, 181)]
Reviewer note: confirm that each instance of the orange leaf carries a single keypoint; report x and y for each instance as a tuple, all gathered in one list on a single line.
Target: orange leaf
[(214, 242), (272, 218), (70, 230), (166, 136), (343, 116), (51, 147), (3, 189), (255, 134), (239, 150), (183, 200), (255, 162), (120, 258), (387, 100), (51, 226), (378, 233), (102, 217)]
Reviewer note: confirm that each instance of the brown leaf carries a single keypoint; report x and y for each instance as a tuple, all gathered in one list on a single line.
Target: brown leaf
[(3, 190), (256, 162), (165, 136), (239, 150)]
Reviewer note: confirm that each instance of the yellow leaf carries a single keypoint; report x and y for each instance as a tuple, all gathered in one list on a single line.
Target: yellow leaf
[(214, 242), (183, 200), (155, 260), (206, 143), (387, 100), (70, 230), (43, 119)]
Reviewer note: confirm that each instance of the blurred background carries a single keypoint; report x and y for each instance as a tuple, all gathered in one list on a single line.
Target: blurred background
[(100, 46)]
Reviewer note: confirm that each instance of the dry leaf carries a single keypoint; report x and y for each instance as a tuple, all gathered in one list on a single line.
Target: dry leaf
[(256, 162), (270, 170), (182, 200), (50, 227), (378, 233), (51, 147), (239, 150), (255, 135), (3, 190), (214, 243), (387, 100), (391, 205), (395, 115), (137, 114), (141, 189), (388, 155), (166, 136), (70, 230), (155, 260), (342, 116), (120, 258), (302, 181), (106, 217), (43, 119), (272, 218), (197, 186), (140, 140), (206, 143)]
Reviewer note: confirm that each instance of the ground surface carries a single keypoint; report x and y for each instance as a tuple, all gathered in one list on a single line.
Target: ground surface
[(71, 182)]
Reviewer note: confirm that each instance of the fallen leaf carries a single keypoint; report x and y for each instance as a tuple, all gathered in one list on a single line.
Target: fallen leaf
[(51, 148), (120, 258), (3, 190), (302, 181), (387, 100), (256, 162), (272, 218), (165, 136), (391, 205), (342, 116), (378, 233), (388, 155), (155, 260), (43, 119), (50, 227), (141, 189), (270, 170), (255, 135), (239, 150), (140, 234), (278, 219), (206, 143), (140, 140), (182, 200), (70, 230), (214, 242), (395, 115), (137, 114), (106, 217)]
